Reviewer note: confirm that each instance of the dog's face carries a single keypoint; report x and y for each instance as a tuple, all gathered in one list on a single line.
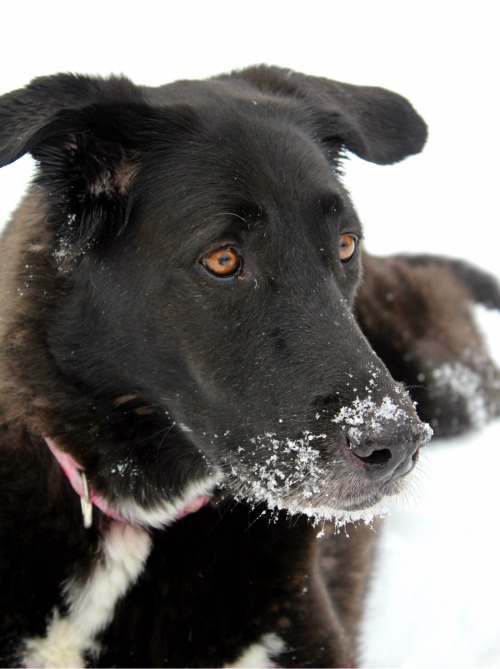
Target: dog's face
[(209, 257)]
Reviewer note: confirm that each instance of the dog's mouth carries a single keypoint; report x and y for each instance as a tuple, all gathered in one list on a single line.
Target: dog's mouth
[(301, 476), (365, 506)]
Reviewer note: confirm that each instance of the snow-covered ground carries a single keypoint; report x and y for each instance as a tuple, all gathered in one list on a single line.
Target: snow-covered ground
[(436, 590)]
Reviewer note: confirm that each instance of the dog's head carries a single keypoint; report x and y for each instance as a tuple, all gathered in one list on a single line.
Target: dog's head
[(204, 258)]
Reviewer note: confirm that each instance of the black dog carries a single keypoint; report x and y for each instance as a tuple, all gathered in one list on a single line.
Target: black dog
[(179, 353)]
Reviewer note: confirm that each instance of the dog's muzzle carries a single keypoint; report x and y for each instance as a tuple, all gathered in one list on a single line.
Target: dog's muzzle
[(383, 440)]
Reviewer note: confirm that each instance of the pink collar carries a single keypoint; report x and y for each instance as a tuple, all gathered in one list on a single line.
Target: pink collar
[(89, 498), (78, 479)]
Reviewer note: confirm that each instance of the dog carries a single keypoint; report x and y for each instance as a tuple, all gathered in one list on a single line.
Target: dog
[(199, 382)]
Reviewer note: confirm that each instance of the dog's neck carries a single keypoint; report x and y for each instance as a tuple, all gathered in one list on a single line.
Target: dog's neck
[(76, 475)]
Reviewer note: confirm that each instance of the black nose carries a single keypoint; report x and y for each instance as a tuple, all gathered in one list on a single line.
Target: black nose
[(391, 455)]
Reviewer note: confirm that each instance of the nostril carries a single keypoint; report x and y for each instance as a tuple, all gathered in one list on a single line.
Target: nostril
[(384, 464), (377, 457)]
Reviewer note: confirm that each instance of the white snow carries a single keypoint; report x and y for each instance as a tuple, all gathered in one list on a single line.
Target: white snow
[(364, 411), (372, 416), (463, 382), (436, 589), (270, 478)]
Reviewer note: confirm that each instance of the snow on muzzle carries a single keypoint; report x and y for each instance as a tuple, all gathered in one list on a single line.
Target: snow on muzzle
[(342, 459)]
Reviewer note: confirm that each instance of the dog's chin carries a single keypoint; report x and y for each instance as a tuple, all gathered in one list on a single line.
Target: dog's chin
[(339, 511), (160, 512), (365, 507), (307, 476)]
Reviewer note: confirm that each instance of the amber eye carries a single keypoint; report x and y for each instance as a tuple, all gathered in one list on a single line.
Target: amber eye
[(223, 262), (347, 247)]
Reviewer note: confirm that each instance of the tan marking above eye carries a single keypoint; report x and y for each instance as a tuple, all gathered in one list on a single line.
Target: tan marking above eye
[(347, 247), (123, 399), (223, 262)]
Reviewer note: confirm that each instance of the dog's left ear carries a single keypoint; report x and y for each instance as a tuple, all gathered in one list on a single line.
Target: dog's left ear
[(375, 124)]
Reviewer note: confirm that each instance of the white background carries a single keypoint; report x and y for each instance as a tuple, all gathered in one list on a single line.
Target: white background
[(436, 594)]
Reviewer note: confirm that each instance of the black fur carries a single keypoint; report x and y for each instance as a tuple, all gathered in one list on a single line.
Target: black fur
[(161, 379)]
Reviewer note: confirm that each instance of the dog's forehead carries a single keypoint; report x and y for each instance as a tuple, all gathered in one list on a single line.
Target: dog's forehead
[(264, 145), (243, 159)]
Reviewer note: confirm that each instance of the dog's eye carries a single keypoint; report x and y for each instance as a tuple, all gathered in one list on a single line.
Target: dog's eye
[(223, 262), (347, 247)]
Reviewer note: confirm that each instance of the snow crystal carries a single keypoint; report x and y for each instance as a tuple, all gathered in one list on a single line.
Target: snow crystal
[(372, 416), (467, 385), (297, 456), (342, 517), (62, 253), (125, 468), (361, 410)]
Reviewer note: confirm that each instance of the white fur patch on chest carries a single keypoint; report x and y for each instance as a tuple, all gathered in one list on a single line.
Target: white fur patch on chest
[(260, 655), (91, 603)]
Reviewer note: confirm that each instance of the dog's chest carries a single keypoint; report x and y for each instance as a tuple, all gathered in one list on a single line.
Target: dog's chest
[(107, 621), (91, 603)]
